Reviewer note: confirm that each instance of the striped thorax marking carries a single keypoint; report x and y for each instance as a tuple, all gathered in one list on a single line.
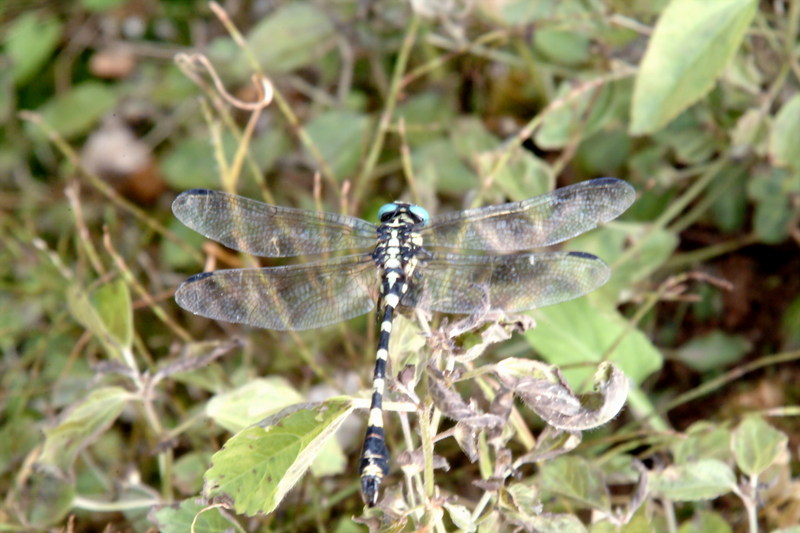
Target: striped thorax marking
[(398, 244)]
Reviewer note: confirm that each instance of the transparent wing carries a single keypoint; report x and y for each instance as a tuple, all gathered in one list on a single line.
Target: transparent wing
[(268, 230), (293, 297), (466, 284), (533, 223)]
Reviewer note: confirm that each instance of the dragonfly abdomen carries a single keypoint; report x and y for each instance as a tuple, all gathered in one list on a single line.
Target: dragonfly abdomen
[(375, 455)]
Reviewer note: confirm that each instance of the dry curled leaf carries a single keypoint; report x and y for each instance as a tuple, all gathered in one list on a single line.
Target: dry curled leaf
[(544, 390), (500, 330)]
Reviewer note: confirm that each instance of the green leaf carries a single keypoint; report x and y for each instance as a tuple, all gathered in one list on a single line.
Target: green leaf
[(702, 480), (244, 406), (112, 301), (268, 147), (640, 523), (438, 165), (749, 134), (518, 12), (784, 135), (605, 152), (19, 430), (188, 471), (757, 445), (692, 43), (189, 515), (703, 440), (29, 43), (107, 313), (99, 6), (191, 164), (577, 479), (237, 409), (706, 522), (341, 138), (772, 221), (77, 111), (489, 522), (294, 35), (583, 116), (426, 116), (524, 175), (81, 425), (177, 257), (46, 499), (575, 332), (690, 139), (714, 350), (773, 211), (330, 461), (570, 48), (729, 209), (470, 137), (556, 523), (259, 465), (461, 517), (526, 497)]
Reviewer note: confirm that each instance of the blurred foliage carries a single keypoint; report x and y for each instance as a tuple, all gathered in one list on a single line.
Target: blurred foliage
[(115, 403)]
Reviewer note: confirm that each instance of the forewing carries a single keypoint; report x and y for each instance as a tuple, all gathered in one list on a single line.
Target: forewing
[(533, 223), (464, 284), (268, 230), (292, 297)]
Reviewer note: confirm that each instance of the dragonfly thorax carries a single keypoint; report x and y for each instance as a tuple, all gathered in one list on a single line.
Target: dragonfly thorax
[(398, 239), (399, 242)]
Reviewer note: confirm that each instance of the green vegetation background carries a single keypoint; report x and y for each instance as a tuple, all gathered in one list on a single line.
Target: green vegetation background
[(113, 399)]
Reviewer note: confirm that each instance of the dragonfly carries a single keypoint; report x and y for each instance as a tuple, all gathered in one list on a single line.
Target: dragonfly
[(464, 262)]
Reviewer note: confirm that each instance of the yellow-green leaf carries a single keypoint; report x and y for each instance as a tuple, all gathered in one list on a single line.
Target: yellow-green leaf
[(701, 480), (29, 42), (191, 515), (692, 43), (82, 425), (577, 479), (239, 408), (784, 137), (107, 313), (78, 110), (259, 465), (756, 445)]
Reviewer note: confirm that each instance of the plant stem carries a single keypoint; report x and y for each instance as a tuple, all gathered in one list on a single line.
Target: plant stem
[(360, 182)]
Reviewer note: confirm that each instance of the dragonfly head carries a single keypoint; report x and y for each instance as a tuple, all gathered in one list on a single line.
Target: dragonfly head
[(418, 214)]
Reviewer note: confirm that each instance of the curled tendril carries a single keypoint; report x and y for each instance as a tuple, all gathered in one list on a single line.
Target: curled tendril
[(191, 64)]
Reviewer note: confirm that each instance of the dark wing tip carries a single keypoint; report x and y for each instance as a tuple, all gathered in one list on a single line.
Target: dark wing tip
[(197, 277), (617, 183), (187, 195), (197, 192), (184, 199), (582, 255), (624, 194), (608, 180)]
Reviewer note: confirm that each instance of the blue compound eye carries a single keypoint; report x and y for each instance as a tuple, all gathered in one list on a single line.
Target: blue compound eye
[(386, 210), (420, 213)]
